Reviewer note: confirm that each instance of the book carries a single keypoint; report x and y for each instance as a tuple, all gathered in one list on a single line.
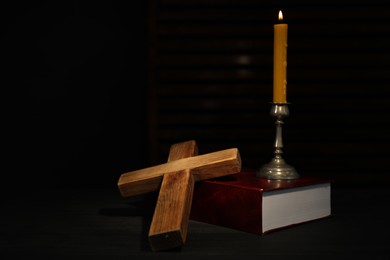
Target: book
[(247, 203)]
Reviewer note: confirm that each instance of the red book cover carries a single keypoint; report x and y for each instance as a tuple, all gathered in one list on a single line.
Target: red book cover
[(245, 202)]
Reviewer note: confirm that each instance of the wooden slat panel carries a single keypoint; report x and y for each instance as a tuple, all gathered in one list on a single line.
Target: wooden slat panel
[(255, 30), (216, 45), (339, 44), (298, 91), (376, 60), (331, 13), (212, 81), (307, 74)]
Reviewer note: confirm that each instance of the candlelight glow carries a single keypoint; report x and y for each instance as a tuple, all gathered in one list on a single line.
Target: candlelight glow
[(280, 16)]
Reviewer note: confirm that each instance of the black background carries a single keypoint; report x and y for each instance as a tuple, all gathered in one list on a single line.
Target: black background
[(74, 84), (75, 90)]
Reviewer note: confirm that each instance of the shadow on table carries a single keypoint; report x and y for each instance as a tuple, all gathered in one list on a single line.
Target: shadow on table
[(138, 206)]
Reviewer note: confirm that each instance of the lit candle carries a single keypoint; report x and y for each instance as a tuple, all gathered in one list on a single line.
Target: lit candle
[(280, 60)]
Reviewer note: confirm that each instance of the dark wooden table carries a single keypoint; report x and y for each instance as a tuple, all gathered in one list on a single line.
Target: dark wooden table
[(100, 224)]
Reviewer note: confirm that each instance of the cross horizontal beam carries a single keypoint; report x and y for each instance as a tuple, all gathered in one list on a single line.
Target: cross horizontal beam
[(205, 166)]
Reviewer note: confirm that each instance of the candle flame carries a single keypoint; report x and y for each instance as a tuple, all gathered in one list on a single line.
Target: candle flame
[(280, 15)]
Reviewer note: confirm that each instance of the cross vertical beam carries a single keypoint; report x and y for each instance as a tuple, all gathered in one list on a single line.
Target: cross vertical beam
[(171, 215)]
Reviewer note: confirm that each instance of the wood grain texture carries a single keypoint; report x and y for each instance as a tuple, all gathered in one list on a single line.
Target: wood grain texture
[(204, 166), (170, 220), (171, 215), (183, 150), (177, 177)]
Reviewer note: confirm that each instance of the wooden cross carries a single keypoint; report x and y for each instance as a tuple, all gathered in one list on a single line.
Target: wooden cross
[(176, 180)]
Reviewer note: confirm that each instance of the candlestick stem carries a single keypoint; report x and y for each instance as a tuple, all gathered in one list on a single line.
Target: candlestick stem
[(278, 169)]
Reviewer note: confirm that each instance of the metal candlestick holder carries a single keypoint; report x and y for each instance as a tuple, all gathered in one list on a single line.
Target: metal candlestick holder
[(278, 169)]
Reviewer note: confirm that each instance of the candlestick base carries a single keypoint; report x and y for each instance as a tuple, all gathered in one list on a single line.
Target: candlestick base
[(277, 169)]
